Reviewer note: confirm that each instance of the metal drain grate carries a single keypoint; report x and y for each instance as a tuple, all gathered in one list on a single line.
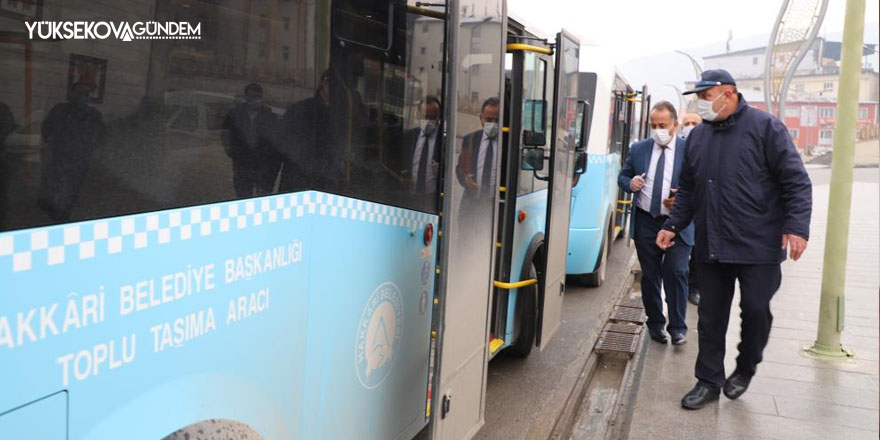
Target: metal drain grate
[(632, 329), (629, 314), (632, 302), (617, 343)]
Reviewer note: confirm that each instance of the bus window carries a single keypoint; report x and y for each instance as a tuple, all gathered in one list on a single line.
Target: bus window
[(118, 127), (104, 127), (535, 117)]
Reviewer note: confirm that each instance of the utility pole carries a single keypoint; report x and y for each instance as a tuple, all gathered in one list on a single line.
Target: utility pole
[(831, 306)]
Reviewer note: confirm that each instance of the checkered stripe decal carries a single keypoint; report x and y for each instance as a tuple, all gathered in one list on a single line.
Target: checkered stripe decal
[(53, 245)]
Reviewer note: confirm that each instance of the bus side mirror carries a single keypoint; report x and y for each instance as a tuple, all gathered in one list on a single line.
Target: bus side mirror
[(533, 159), (580, 163)]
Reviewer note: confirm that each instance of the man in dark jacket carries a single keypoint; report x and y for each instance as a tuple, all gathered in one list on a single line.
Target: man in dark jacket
[(746, 189), (249, 141)]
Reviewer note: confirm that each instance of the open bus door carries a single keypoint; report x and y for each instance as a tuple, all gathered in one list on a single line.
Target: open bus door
[(468, 222), (562, 170)]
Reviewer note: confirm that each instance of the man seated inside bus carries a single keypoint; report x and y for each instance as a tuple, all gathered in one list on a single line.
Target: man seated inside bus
[(420, 148)]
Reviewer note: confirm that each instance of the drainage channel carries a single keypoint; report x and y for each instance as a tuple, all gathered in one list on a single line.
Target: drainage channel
[(611, 381)]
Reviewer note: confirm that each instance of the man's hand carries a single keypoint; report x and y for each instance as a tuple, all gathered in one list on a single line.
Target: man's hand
[(637, 183), (664, 239), (470, 182), (798, 245), (669, 202)]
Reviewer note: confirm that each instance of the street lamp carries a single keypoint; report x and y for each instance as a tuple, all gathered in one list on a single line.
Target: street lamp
[(697, 69), (681, 101)]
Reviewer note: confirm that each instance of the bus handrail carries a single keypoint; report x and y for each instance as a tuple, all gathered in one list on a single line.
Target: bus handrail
[(516, 285), (529, 48)]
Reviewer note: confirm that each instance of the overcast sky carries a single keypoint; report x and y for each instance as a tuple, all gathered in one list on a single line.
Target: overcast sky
[(642, 35), (637, 28)]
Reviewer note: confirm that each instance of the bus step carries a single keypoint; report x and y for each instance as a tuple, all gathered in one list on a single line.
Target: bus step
[(495, 345)]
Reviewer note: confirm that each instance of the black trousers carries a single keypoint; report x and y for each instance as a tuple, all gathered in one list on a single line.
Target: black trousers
[(757, 283), (668, 269)]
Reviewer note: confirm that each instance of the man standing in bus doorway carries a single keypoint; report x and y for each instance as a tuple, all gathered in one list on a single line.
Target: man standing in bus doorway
[(651, 172), (422, 149), (746, 190), (248, 138), (688, 122), (476, 169)]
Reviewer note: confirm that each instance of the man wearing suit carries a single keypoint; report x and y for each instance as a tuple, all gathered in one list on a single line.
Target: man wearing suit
[(651, 174), (475, 169), (421, 147)]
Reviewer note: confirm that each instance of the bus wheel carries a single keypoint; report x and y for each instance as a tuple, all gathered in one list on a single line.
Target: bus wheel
[(215, 428), (596, 278), (527, 317)]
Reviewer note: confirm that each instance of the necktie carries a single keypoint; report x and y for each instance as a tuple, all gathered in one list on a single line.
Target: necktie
[(487, 166), (421, 179), (657, 193)]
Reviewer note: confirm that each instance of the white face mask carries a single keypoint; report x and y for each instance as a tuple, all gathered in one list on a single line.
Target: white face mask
[(704, 108), (490, 129), (686, 130), (428, 126), (661, 136)]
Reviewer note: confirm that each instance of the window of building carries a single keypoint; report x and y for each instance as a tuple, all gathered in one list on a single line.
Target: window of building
[(423, 50), (794, 133), (828, 86), (286, 21), (826, 134), (799, 88), (863, 114), (792, 112), (826, 112), (754, 61), (285, 53)]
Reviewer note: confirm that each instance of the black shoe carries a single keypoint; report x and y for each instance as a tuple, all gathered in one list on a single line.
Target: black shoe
[(736, 385), (659, 336), (678, 338), (698, 397), (694, 296)]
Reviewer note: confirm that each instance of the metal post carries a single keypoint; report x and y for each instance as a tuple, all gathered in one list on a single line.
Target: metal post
[(831, 310)]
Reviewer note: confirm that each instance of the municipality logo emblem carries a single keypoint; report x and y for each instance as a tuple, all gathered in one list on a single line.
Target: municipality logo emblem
[(378, 335)]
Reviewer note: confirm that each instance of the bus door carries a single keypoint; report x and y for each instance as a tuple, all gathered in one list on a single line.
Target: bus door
[(563, 145), (522, 192), (469, 198)]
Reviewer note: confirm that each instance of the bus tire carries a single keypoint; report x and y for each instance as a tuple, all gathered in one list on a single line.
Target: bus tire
[(597, 278), (527, 317), (215, 429)]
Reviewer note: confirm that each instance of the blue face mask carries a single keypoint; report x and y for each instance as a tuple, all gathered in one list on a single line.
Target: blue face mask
[(255, 103)]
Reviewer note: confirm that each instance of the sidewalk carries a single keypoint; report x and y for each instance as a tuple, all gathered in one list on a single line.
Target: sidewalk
[(792, 396)]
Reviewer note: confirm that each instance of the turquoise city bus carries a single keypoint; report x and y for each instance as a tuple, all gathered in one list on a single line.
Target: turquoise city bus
[(213, 218), (599, 209)]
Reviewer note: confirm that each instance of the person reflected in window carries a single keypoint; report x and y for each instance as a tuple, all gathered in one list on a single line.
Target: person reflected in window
[(304, 126), (421, 147), (476, 169), (7, 125), (248, 138), (71, 131)]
